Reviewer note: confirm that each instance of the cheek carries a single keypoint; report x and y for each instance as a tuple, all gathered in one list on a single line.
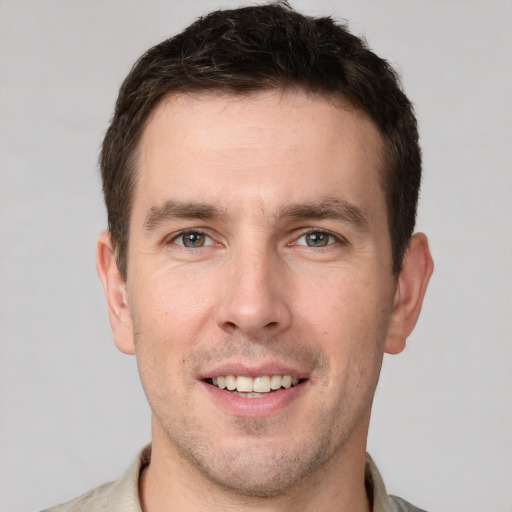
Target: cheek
[(340, 304), (349, 320), (167, 317), (170, 305)]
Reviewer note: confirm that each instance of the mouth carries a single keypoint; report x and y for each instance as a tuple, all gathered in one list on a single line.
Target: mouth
[(253, 387)]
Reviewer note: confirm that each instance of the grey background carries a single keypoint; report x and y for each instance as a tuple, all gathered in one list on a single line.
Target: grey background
[(72, 413)]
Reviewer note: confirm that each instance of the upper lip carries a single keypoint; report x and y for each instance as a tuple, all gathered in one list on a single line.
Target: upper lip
[(249, 370)]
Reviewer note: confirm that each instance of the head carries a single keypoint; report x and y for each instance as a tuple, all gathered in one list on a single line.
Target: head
[(254, 49), (261, 174)]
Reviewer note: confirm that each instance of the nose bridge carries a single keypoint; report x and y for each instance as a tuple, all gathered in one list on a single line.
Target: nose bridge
[(254, 298)]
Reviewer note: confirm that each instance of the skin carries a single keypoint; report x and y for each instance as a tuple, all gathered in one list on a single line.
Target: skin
[(241, 174)]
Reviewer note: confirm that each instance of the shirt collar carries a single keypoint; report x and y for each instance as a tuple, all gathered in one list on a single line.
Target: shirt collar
[(124, 494)]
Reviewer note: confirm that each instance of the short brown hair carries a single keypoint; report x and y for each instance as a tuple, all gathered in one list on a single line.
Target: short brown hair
[(260, 48)]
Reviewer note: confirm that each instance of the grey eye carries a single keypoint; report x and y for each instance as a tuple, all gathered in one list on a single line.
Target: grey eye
[(317, 239), (192, 239)]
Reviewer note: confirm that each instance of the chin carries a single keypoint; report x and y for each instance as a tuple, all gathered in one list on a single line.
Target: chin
[(262, 468), (249, 476)]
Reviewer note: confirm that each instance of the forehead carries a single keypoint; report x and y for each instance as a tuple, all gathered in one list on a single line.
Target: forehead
[(267, 147)]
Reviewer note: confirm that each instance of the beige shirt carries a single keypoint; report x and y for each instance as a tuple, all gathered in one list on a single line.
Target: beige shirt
[(123, 495)]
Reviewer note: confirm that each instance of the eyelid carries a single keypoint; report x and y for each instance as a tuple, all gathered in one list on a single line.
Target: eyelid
[(338, 238), (171, 239)]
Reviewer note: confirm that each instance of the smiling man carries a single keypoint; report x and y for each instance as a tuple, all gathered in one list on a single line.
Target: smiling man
[(261, 175)]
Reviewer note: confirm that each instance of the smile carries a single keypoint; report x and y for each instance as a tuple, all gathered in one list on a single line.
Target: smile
[(257, 387)]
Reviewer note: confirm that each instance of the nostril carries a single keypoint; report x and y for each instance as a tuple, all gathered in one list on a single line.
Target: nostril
[(253, 317), (230, 326)]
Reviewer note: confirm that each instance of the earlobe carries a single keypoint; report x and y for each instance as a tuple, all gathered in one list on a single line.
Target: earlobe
[(410, 291), (114, 287)]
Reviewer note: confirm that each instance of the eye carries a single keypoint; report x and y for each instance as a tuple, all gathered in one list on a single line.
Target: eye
[(316, 239), (192, 239)]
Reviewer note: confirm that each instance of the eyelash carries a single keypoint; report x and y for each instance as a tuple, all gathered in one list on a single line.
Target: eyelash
[(332, 238), (335, 238), (195, 231)]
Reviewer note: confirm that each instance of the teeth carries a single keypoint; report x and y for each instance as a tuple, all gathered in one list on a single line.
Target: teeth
[(276, 381), (244, 384), (262, 384), (230, 382), (287, 381)]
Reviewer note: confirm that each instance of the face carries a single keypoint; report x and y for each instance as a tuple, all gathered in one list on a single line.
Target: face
[(259, 259)]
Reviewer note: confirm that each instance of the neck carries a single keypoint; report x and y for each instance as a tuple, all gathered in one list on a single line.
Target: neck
[(172, 482)]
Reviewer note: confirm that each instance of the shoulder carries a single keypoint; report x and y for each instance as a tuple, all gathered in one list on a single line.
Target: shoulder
[(382, 502), (397, 504), (119, 496), (95, 500)]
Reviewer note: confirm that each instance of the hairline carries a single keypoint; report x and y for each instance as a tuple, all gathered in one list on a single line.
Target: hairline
[(337, 100)]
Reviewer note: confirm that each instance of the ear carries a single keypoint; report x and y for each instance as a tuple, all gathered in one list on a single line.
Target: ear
[(114, 286), (410, 290)]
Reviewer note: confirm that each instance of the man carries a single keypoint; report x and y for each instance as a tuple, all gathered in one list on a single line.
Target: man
[(261, 175)]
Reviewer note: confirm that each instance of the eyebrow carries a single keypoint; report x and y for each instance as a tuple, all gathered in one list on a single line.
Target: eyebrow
[(170, 210), (331, 208)]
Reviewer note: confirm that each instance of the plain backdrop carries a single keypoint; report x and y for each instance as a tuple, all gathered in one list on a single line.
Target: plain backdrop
[(72, 413)]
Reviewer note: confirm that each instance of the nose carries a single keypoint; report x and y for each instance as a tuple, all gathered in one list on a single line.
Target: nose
[(255, 298)]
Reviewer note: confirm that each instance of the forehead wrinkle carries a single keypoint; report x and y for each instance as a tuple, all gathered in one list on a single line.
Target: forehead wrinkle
[(181, 210)]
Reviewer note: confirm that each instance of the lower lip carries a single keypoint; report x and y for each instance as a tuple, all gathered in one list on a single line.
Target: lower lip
[(236, 405)]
